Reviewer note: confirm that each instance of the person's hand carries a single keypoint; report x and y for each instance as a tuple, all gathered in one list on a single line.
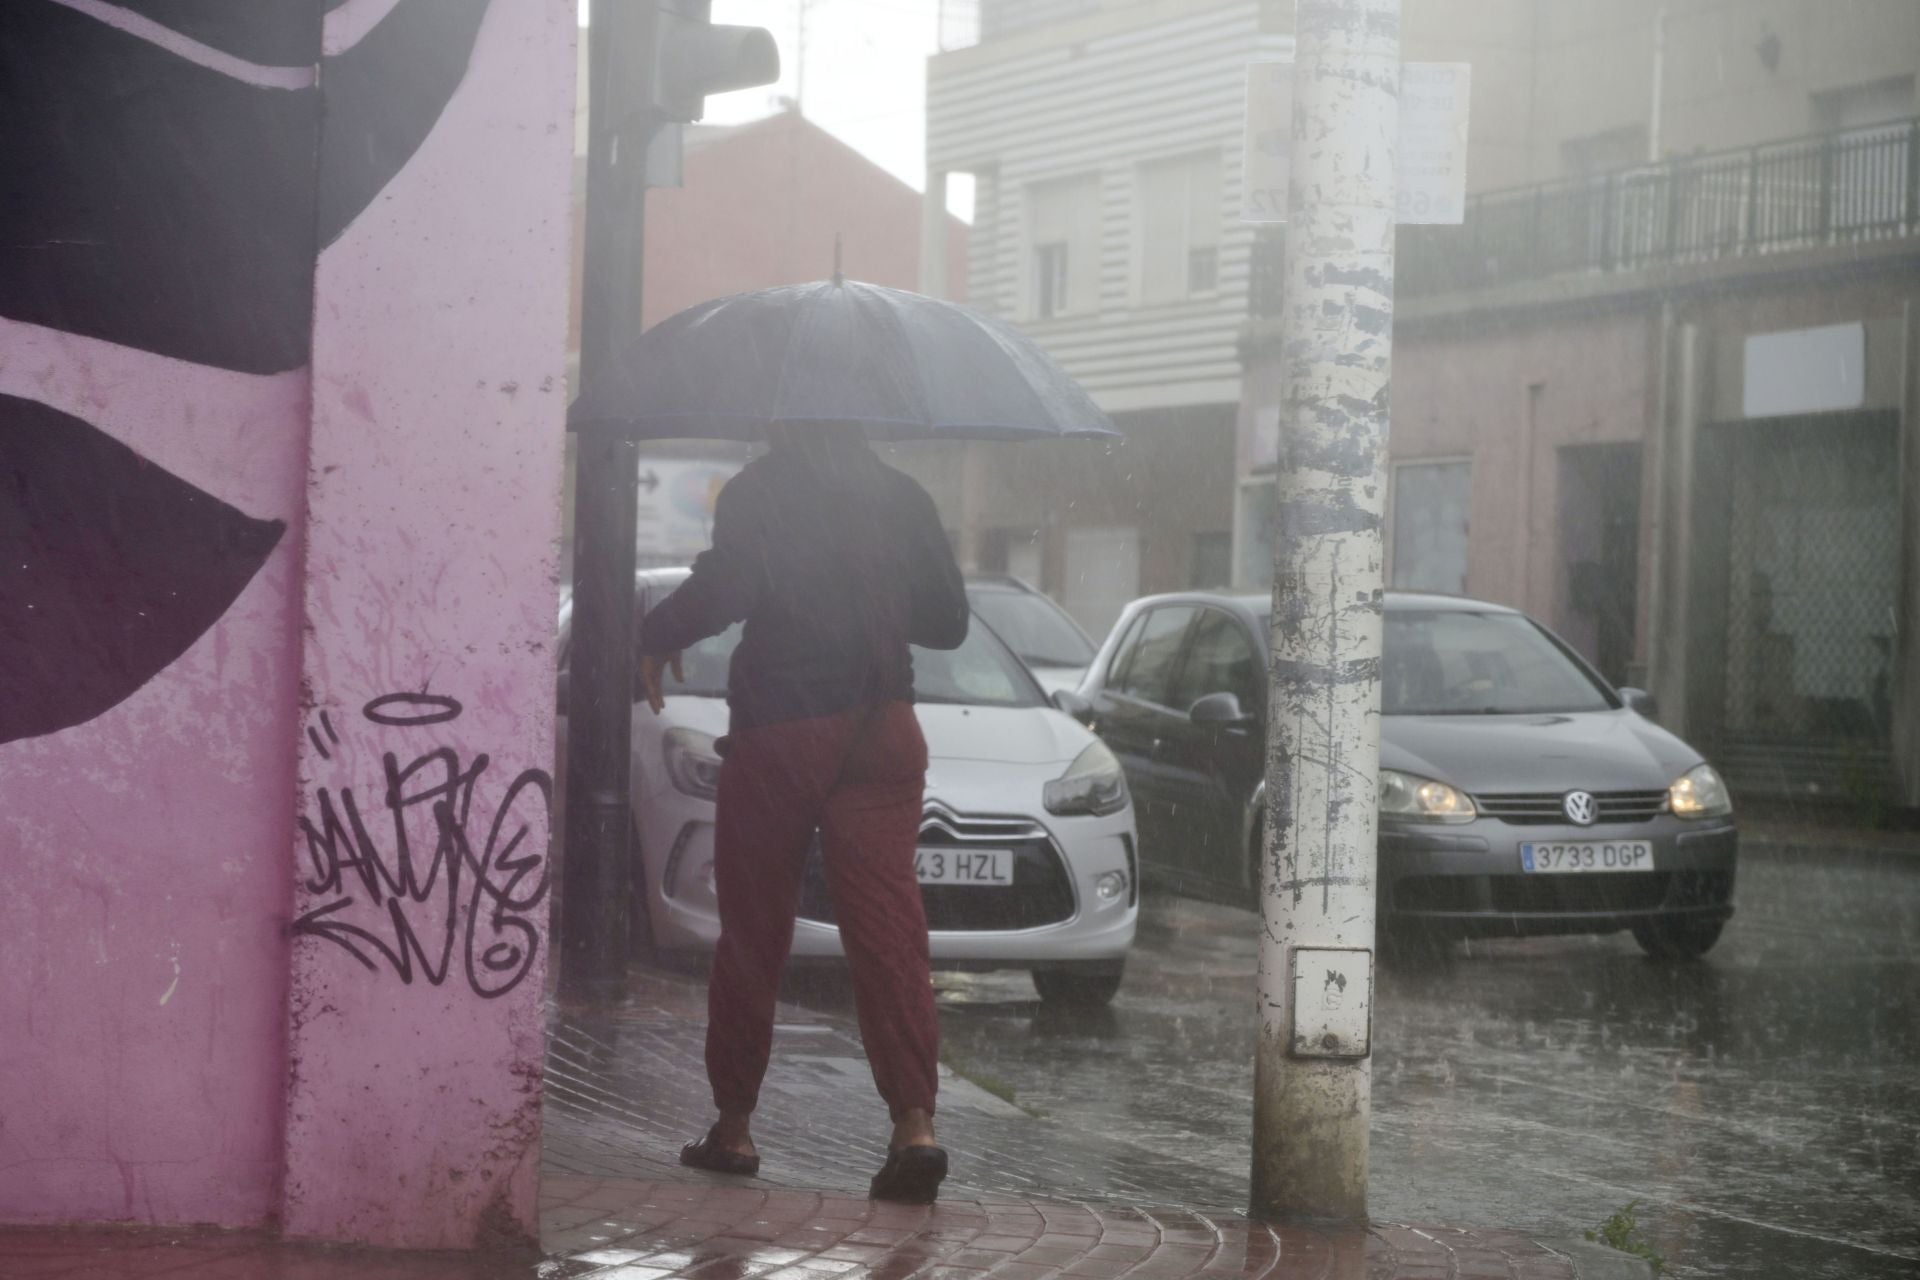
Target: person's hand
[(651, 665)]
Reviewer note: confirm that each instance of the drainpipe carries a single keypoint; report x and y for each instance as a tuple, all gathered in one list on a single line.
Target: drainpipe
[(1657, 107)]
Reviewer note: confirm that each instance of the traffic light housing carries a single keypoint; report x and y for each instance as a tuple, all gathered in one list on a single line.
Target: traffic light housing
[(693, 57)]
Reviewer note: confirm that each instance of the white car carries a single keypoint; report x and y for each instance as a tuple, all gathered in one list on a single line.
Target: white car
[(1045, 636), (1028, 852)]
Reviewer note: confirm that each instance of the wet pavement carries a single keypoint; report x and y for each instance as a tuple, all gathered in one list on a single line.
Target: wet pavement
[(1762, 1106), (596, 1229)]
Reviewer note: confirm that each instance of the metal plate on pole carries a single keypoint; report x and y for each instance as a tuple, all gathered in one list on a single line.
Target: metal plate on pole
[(1332, 1002)]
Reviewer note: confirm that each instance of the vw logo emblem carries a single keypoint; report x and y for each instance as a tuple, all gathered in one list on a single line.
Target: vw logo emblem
[(1581, 808)]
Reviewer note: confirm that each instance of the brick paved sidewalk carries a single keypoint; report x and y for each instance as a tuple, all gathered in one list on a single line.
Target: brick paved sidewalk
[(608, 1229), (1030, 1199)]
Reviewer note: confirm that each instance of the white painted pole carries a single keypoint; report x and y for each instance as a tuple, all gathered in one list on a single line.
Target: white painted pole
[(1312, 1076)]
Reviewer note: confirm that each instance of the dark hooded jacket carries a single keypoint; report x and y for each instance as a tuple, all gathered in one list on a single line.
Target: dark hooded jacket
[(836, 563)]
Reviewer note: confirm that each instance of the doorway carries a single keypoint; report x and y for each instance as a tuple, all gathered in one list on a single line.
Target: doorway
[(1796, 536), (1599, 501)]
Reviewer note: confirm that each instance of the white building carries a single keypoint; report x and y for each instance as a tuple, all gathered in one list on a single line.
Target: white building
[(1104, 140)]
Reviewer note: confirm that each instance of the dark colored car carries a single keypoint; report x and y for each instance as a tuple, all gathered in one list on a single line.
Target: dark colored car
[(1520, 793)]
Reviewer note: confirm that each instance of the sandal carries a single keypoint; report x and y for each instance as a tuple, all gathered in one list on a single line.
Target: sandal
[(707, 1153), (911, 1175)]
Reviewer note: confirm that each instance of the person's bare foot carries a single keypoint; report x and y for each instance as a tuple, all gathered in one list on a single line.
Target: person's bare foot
[(916, 1165), (726, 1148), (734, 1133), (914, 1128)]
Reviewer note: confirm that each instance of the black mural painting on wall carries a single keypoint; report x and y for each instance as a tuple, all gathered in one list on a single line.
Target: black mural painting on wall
[(158, 203), (155, 201), (112, 568)]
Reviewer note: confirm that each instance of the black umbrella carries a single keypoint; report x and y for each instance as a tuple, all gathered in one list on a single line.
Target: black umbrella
[(905, 366)]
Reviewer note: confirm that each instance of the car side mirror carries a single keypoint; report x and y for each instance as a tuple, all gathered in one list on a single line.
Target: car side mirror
[(1073, 705), (1220, 711), (560, 683), (1640, 701)]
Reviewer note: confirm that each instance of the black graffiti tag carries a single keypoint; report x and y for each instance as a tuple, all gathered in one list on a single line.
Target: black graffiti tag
[(412, 852)]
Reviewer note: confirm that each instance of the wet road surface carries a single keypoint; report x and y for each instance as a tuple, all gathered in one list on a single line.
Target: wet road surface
[(1763, 1106)]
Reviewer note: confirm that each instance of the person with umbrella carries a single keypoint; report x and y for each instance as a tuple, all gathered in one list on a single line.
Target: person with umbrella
[(836, 563)]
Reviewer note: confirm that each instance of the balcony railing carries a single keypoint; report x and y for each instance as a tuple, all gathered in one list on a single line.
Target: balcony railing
[(1838, 188)]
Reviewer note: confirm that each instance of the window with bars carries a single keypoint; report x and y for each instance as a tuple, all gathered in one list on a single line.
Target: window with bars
[(1063, 238), (1177, 231)]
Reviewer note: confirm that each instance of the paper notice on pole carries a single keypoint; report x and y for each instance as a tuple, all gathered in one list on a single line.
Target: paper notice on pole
[(1432, 170), (1433, 141)]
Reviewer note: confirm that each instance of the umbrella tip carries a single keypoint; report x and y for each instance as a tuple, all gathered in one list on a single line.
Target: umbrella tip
[(838, 278)]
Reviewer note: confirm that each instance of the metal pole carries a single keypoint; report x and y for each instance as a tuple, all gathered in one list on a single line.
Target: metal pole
[(597, 885), (1311, 1076)]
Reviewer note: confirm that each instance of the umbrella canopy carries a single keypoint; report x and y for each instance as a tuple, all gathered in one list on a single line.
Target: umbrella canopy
[(904, 366)]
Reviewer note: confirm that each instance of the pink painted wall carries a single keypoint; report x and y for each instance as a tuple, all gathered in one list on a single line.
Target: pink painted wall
[(1465, 392), (434, 498), (169, 1052), (142, 948)]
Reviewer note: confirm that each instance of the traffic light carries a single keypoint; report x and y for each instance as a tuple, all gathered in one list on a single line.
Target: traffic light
[(693, 57), (651, 65)]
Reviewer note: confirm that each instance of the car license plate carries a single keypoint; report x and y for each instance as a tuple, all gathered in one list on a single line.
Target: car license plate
[(964, 866), (1588, 855)]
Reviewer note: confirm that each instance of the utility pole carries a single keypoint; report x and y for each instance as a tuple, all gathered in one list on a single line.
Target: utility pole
[(650, 63), (1312, 1074)]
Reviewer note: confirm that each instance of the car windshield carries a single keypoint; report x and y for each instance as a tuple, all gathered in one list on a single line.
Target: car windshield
[(981, 672), (1454, 662), (1033, 627)]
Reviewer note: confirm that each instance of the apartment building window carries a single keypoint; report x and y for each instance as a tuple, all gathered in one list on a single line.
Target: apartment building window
[(1866, 171), (1861, 106), (1177, 233), (1605, 152), (1063, 238), (1050, 292)]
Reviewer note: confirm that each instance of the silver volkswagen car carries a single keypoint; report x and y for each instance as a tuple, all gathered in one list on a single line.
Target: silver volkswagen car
[(1520, 793)]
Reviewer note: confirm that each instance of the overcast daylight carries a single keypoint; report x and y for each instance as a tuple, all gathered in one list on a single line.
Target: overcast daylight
[(960, 639)]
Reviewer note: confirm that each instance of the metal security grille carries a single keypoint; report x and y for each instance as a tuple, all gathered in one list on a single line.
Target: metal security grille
[(1799, 525), (1538, 808)]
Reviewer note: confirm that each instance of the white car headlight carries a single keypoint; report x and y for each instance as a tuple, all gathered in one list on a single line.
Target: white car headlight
[(1092, 784), (693, 766), (1700, 794), (1414, 799)]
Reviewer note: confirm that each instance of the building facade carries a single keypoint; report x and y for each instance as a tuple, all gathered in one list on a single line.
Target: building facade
[(774, 201), (1658, 393), (1103, 142), (1656, 390)]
